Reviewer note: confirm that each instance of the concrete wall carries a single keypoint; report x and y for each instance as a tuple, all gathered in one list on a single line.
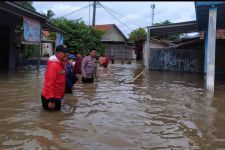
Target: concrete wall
[(185, 60), (112, 35)]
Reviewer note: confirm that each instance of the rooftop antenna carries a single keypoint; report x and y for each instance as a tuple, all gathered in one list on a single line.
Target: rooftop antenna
[(152, 7)]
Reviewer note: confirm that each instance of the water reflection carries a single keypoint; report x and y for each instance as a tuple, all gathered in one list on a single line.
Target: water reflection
[(160, 110)]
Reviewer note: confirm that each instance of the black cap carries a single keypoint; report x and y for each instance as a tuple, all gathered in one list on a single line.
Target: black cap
[(61, 48)]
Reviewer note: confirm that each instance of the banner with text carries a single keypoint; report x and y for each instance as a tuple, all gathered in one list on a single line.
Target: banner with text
[(31, 30)]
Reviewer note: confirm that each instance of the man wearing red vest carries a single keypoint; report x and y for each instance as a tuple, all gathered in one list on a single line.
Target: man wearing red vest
[(55, 80)]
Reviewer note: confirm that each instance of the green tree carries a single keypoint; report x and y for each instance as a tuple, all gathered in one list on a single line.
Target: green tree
[(171, 37), (27, 4), (137, 34), (162, 23), (79, 36)]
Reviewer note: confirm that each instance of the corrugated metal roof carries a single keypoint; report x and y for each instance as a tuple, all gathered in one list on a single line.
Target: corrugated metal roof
[(201, 24), (202, 14), (182, 27), (207, 3), (19, 10)]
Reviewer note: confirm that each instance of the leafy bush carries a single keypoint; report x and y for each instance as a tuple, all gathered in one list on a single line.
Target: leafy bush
[(79, 36)]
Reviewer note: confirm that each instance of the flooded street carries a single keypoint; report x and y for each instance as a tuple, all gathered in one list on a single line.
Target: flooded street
[(160, 110)]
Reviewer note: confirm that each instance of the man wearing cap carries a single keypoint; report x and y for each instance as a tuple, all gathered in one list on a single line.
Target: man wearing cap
[(55, 80)]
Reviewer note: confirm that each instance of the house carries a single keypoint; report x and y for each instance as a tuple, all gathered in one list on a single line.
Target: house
[(186, 54), (116, 43), (209, 19), (19, 26)]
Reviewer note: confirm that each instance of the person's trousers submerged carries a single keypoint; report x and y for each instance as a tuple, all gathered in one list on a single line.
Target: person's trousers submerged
[(56, 101), (87, 80)]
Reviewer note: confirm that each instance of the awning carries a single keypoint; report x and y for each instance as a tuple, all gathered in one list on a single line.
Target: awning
[(183, 27), (50, 27), (202, 14), (18, 10)]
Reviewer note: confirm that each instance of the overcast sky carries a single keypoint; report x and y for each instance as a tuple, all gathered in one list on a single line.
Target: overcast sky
[(131, 14)]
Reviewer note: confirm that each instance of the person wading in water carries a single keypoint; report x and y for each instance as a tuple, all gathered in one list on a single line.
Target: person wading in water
[(55, 80), (89, 67)]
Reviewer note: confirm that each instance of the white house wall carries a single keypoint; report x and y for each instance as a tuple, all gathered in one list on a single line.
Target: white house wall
[(47, 48)]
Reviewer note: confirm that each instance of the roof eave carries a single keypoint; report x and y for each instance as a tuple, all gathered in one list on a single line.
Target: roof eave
[(50, 26), (26, 10)]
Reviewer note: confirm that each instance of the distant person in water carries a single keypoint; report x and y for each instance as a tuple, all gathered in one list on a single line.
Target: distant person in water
[(104, 61), (89, 67), (55, 80), (77, 67), (70, 74), (101, 60)]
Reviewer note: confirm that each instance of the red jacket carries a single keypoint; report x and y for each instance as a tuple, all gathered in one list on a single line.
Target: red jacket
[(55, 79)]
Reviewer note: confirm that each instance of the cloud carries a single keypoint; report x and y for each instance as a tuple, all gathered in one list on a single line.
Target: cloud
[(59, 8), (63, 9), (134, 14)]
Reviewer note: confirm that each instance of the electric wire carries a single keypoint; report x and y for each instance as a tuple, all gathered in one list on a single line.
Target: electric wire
[(116, 18), (80, 13), (130, 23), (77, 10), (125, 16)]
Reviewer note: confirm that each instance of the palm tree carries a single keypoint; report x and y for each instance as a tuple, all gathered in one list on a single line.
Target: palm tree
[(50, 14)]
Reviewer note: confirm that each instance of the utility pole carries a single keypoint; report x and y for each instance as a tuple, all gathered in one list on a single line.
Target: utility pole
[(152, 7), (94, 13)]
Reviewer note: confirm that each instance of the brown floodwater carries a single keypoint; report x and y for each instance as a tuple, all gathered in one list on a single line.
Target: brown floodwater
[(160, 110)]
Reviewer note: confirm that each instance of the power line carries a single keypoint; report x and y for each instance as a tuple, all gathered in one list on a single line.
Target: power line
[(80, 13), (116, 18), (77, 10), (89, 13), (125, 16), (130, 23)]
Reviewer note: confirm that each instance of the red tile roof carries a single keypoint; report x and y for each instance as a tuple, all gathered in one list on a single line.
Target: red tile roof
[(220, 34), (104, 27), (45, 33)]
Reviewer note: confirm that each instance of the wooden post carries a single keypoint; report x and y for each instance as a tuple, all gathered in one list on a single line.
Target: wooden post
[(211, 47), (205, 51), (147, 51), (12, 49), (94, 13), (39, 49)]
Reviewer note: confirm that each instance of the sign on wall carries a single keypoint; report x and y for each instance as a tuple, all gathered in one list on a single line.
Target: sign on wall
[(59, 39), (31, 30)]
